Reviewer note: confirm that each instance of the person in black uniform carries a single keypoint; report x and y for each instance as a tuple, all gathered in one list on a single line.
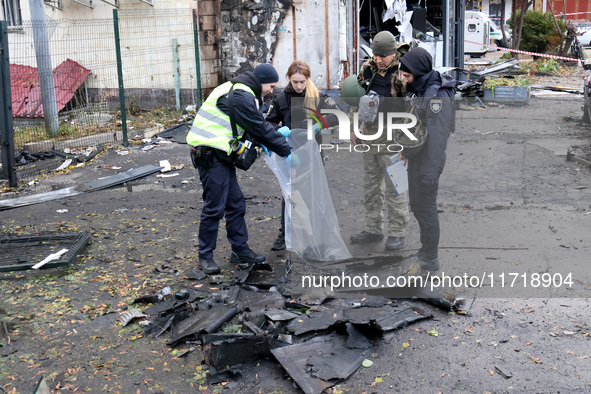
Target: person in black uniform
[(280, 115), (431, 94), (212, 154)]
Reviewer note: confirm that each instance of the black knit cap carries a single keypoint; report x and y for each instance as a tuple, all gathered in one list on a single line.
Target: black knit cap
[(417, 61), (266, 73)]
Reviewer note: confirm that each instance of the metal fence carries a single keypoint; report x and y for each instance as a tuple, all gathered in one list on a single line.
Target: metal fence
[(158, 76)]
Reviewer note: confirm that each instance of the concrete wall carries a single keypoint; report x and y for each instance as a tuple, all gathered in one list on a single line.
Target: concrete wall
[(263, 32)]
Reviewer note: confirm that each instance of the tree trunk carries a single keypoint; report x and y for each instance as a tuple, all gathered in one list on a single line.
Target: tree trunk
[(505, 42), (514, 27), (518, 27), (562, 43)]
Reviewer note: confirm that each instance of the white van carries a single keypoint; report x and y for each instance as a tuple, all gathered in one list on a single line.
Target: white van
[(495, 35), (476, 33)]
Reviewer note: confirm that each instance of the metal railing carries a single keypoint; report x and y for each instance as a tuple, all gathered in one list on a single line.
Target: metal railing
[(158, 69)]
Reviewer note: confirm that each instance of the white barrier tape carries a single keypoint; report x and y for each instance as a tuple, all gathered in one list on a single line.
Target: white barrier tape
[(572, 59), (573, 13), (557, 16)]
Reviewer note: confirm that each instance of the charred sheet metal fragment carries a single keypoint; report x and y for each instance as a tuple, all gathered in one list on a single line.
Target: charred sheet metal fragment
[(571, 157), (280, 315), (316, 321), (231, 296), (446, 298), (385, 318), (253, 327), (325, 356), (356, 339), (163, 307), (165, 327), (117, 179), (99, 184), (207, 321), (240, 276), (196, 275), (223, 351), (506, 375), (337, 365)]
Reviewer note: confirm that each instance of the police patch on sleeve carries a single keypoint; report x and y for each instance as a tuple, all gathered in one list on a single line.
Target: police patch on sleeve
[(436, 104), (329, 101)]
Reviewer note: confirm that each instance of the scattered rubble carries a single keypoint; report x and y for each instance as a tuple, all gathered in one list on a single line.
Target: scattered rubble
[(319, 339)]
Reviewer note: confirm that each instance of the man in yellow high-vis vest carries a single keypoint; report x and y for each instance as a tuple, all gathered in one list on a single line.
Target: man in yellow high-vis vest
[(212, 154)]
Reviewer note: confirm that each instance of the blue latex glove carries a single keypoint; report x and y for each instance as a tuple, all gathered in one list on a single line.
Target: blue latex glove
[(294, 161), (316, 128), (266, 151), (284, 131)]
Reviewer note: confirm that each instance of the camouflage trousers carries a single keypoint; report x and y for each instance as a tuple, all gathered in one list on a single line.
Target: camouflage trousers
[(378, 189)]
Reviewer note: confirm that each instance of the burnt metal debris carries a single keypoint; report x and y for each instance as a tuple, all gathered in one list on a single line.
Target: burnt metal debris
[(98, 184), (470, 84), (505, 374), (318, 338), (177, 133), (320, 363), (572, 157)]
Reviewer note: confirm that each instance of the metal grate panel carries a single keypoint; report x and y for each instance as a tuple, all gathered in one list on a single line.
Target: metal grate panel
[(22, 252)]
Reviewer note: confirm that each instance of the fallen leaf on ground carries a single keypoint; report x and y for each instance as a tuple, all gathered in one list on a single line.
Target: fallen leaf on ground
[(536, 360)]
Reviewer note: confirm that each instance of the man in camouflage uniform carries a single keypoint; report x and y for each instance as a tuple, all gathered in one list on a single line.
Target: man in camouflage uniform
[(380, 75)]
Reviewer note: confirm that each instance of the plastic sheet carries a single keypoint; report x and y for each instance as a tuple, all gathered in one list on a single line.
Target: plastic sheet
[(311, 225)]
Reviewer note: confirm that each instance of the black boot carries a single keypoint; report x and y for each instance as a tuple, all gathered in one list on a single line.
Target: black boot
[(279, 243), (365, 237), (428, 264), (394, 243), (208, 266), (246, 258)]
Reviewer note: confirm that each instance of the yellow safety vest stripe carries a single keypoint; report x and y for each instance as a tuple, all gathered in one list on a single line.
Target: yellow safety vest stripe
[(211, 126)]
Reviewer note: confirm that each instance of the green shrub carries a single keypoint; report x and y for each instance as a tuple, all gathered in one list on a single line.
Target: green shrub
[(539, 31)]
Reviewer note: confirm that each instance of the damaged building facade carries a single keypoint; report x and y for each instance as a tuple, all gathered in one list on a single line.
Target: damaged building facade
[(332, 36)]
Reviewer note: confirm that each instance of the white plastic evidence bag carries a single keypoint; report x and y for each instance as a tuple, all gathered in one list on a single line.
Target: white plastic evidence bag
[(311, 224)]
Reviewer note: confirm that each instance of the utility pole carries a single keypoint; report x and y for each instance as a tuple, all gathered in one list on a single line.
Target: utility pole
[(44, 66), (6, 129)]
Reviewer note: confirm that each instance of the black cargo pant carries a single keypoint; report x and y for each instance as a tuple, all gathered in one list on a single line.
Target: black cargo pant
[(222, 197), (423, 204)]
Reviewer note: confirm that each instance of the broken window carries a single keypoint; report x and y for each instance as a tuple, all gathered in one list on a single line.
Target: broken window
[(11, 10), (54, 4)]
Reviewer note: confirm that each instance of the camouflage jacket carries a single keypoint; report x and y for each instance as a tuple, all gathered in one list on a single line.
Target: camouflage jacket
[(366, 78)]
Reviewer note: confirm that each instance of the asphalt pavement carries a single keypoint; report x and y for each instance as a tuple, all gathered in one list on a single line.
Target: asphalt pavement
[(514, 213)]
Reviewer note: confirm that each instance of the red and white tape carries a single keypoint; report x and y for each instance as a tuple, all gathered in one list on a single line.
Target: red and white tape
[(571, 59)]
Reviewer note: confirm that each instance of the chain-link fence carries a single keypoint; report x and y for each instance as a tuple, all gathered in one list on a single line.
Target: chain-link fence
[(158, 64)]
